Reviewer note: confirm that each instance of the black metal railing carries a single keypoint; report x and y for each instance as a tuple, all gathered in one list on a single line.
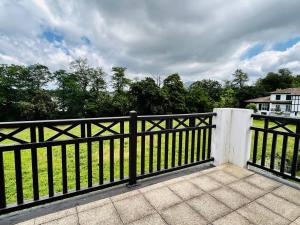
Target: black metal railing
[(44, 161), (275, 145)]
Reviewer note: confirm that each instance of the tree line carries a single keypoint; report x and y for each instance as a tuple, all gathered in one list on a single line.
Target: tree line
[(34, 92)]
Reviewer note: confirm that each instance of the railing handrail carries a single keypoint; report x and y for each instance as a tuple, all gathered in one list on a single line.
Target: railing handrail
[(185, 115), (61, 121), (259, 116)]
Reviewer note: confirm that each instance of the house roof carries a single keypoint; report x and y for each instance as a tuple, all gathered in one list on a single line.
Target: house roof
[(292, 91), (260, 100)]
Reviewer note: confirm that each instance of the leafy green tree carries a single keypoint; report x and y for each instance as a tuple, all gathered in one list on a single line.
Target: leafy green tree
[(175, 93), (71, 97), (119, 81), (272, 81), (198, 99), (212, 87), (228, 99), (148, 97), (240, 78)]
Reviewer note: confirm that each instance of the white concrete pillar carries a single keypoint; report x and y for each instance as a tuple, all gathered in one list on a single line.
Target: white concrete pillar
[(231, 138)]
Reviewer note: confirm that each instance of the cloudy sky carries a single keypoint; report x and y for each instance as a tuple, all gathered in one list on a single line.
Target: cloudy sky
[(196, 38)]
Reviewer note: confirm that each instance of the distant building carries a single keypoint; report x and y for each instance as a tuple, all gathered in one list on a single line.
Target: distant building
[(285, 101)]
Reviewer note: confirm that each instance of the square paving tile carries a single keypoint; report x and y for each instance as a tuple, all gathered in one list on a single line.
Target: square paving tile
[(162, 198), (232, 219), (279, 205), (262, 182), (222, 177), (54, 216), (154, 219), (258, 214), (250, 191), (237, 171), (124, 195), (192, 175), (182, 214), (104, 215), (210, 208), (92, 205), (206, 183), (288, 193), (230, 198), (152, 187), (133, 208), (69, 220), (186, 190)]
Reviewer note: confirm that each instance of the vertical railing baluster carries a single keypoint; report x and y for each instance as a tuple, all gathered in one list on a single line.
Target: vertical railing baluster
[(192, 125), (180, 149), (77, 166), (204, 144), (111, 160), (158, 151), (143, 147), (209, 138), (173, 144), (198, 144), (167, 143), (254, 157), (264, 144), (296, 151), (101, 173), (273, 151), (186, 149), (64, 168), (132, 147), (34, 164), (50, 171), (89, 155), (121, 151), (18, 172), (283, 154), (2, 183), (151, 153)]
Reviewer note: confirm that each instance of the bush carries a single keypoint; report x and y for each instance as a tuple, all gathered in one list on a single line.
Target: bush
[(251, 106)]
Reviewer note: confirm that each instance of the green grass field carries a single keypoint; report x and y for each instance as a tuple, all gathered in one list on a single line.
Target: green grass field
[(290, 145), (57, 171)]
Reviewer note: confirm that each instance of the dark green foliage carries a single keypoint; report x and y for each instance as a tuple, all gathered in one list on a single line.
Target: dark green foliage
[(198, 99), (272, 81), (148, 97), (33, 92), (175, 93)]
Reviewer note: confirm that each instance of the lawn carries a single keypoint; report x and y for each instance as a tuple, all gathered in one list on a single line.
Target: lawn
[(57, 170), (290, 145)]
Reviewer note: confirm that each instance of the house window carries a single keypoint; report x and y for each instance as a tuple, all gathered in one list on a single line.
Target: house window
[(288, 97), (288, 108), (277, 97), (277, 108), (265, 107)]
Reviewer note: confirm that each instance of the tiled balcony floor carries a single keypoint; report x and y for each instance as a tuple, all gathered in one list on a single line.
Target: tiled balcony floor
[(221, 195)]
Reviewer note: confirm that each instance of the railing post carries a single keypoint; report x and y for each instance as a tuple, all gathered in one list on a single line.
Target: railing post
[(132, 147)]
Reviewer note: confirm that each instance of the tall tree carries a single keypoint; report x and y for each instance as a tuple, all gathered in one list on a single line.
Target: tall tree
[(148, 98), (212, 87), (198, 99), (272, 81), (119, 81), (240, 78), (175, 93)]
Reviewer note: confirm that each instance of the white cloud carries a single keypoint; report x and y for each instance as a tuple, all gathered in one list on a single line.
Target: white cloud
[(198, 39)]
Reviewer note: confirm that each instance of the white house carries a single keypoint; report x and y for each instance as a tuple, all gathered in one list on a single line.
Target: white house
[(280, 101)]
